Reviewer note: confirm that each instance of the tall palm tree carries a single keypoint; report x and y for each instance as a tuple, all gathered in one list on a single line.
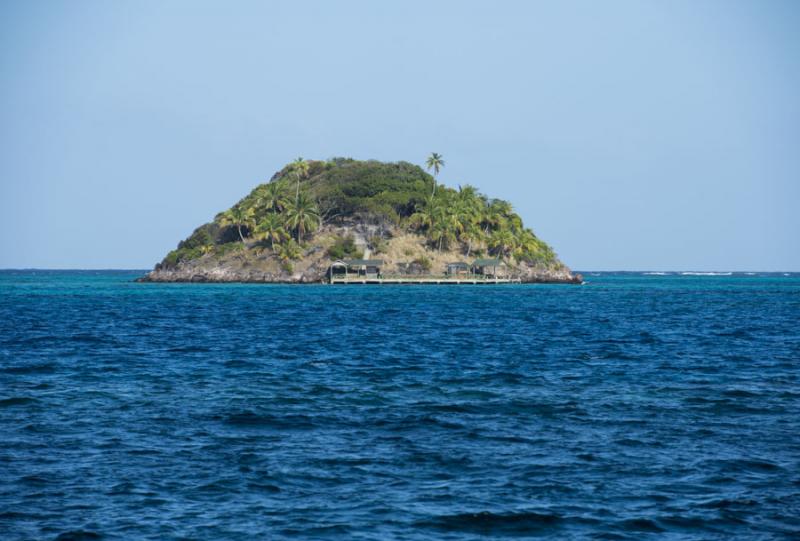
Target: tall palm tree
[(441, 228), (300, 168), (302, 216), (237, 216), (434, 162), (271, 227), (438, 233)]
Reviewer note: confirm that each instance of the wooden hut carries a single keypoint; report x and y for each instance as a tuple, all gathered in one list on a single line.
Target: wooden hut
[(490, 268), (457, 268), (367, 268)]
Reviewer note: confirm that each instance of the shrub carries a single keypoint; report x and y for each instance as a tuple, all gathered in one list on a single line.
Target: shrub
[(378, 244), (423, 262), (203, 235), (180, 255), (288, 251), (224, 249), (344, 248)]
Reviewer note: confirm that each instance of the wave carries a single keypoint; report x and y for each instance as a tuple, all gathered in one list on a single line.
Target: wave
[(689, 273), (656, 273)]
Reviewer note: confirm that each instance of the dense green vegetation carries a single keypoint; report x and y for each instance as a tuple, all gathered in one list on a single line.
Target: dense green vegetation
[(345, 248), (472, 220), (283, 214), (370, 189)]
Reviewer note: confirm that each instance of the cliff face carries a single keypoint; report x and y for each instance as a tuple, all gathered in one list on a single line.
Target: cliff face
[(313, 213)]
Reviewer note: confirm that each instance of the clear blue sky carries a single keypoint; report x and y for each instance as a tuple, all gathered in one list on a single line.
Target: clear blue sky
[(628, 134)]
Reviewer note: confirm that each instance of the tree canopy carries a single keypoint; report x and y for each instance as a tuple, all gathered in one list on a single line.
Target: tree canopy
[(285, 212)]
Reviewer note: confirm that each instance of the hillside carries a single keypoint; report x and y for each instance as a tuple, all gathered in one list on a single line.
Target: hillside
[(312, 213)]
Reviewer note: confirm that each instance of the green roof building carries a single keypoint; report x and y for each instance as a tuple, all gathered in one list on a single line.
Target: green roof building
[(492, 268)]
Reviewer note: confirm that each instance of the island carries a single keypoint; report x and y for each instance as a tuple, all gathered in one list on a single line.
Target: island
[(346, 221)]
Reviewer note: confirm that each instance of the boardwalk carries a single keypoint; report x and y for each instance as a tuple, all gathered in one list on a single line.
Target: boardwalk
[(361, 280)]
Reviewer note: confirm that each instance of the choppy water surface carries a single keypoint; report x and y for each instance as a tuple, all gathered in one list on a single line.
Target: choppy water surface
[(636, 407)]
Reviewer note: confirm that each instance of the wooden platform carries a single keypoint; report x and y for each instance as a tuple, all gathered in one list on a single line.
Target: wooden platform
[(426, 281)]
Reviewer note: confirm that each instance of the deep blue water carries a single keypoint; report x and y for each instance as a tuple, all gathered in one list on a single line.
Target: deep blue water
[(634, 407)]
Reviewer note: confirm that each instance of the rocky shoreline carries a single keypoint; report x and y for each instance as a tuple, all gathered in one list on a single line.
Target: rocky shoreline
[(315, 274)]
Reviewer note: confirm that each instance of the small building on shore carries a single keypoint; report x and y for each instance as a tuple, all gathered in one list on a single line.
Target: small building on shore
[(490, 268), (357, 268), (457, 268)]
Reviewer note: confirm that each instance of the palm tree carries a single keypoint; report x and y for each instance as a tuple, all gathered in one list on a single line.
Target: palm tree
[(439, 233), (495, 214), (502, 242), (424, 216), (434, 162), (300, 168), (302, 216), (271, 227), (471, 233), (237, 216), (272, 197), (468, 208), (442, 225), (454, 220), (470, 201), (531, 248)]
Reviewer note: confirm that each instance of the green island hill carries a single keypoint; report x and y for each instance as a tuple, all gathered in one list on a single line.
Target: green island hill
[(350, 221)]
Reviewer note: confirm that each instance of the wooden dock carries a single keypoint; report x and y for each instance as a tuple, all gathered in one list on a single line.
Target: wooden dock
[(423, 281)]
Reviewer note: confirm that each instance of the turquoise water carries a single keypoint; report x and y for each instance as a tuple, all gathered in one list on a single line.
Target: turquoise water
[(635, 407)]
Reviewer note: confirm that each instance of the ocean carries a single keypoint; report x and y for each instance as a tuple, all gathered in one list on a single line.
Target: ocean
[(638, 406)]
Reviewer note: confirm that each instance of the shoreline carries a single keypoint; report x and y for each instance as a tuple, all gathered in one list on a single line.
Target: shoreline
[(160, 276)]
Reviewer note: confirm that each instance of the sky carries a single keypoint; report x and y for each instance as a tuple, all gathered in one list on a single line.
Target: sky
[(630, 135)]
